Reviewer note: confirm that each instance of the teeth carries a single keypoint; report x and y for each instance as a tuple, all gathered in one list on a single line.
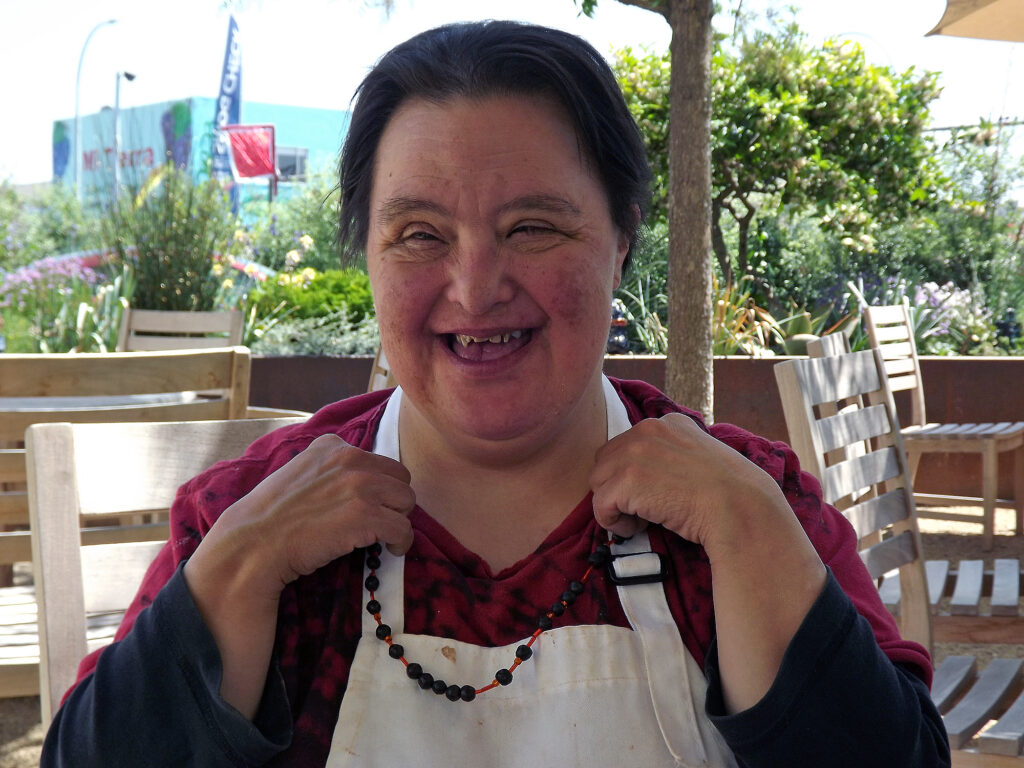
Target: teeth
[(498, 338)]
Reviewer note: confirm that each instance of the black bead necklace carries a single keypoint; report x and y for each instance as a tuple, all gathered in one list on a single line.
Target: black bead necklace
[(599, 558)]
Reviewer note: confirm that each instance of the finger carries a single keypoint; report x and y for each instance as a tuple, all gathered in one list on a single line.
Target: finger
[(358, 459)]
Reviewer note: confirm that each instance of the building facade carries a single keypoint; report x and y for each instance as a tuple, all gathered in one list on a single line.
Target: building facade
[(307, 140)]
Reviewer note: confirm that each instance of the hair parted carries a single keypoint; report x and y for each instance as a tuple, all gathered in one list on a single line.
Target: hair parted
[(476, 60)]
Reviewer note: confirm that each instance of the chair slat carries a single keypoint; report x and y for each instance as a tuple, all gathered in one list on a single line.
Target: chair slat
[(854, 426), (978, 705), (890, 333), (859, 472), (889, 554), (967, 593), (896, 350), (877, 513), (1006, 735), (1006, 587), (950, 680), (888, 314), (938, 575)]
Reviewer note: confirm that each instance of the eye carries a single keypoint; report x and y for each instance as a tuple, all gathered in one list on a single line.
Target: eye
[(532, 229), (418, 234)]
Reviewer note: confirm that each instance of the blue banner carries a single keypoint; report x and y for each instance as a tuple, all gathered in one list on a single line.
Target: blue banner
[(229, 103)]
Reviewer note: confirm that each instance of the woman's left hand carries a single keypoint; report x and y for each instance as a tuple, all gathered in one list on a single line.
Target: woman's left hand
[(671, 472), (765, 574)]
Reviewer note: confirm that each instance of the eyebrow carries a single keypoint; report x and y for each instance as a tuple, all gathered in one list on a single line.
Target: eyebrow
[(551, 203), (398, 207)]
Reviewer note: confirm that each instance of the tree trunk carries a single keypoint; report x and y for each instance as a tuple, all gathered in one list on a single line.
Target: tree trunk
[(688, 372)]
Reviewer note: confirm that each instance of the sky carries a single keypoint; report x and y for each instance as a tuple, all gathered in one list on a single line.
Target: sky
[(314, 52)]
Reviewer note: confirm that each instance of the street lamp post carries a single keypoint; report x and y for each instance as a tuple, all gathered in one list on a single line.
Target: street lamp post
[(78, 117), (117, 131)]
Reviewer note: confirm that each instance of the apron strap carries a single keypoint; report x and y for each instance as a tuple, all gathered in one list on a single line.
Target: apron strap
[(639, 573)]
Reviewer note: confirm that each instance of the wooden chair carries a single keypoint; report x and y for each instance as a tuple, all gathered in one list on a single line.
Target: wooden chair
[(891, 329), (81, 471), (968, 603), (112, 387), (380, 375), (843, 426), (159, 329)]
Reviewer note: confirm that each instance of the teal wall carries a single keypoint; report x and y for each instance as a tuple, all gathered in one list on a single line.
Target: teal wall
[(182, 130)]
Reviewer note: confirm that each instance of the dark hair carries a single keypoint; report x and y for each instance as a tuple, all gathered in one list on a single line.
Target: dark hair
[(498, 58)]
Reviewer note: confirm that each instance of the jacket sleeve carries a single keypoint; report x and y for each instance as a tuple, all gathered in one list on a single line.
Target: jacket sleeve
[(834, 672), (153, 699)]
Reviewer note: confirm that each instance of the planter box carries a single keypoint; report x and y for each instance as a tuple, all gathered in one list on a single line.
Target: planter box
[(956, 389)]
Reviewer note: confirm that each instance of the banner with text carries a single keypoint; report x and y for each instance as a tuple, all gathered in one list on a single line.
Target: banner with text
[(229, 107)]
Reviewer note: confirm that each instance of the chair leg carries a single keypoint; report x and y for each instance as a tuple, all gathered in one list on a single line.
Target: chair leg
[(913, 462), (1018, 488), (989, 492)]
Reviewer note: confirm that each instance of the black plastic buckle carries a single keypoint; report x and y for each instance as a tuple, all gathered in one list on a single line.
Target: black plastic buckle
[(642, 578)]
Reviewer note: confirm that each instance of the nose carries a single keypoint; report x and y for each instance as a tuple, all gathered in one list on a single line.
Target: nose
[(479, 278)]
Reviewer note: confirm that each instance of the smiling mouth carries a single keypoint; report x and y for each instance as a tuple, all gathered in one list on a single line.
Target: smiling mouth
[(486, 348)]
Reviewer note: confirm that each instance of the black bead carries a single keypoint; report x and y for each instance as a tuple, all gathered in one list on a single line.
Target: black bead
[(372, 583), (454, 693), (545, 622), (375, 548), (503, 676), (620, 539), (468, 693), (414, 670), (372, 562), (600, 555), (439, 687), (568, 597), (396, 651), (373, 607), (576, 587), (383, 631), (558, 609), (426, 681), (523, 652)]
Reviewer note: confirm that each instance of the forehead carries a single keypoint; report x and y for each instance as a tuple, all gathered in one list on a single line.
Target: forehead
[(478, 141)]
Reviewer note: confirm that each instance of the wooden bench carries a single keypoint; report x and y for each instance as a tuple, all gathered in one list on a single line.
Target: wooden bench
[(843, 426)]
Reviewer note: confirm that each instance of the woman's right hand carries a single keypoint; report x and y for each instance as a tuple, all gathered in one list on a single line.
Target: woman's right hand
[(328, 500)]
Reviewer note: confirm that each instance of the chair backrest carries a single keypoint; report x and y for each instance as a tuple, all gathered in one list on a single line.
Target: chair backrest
[(161, 329), (842, 424), (82, 471), (115, 386), (891, 330), (829, 345), (380, 375)]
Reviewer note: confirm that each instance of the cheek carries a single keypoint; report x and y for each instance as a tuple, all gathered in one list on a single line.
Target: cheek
[(581, 301), (397, 299)]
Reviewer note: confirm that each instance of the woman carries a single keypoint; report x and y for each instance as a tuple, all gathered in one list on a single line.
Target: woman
[(496, 183)]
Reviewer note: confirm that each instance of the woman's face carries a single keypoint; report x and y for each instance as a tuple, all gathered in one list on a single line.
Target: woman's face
[(493, 258)]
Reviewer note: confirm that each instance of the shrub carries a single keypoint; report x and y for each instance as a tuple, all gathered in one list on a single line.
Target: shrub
[(332, 334), (311, 294), (171, 232)]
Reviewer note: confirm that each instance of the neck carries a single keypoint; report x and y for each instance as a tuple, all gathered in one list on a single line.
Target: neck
[(502, 501)]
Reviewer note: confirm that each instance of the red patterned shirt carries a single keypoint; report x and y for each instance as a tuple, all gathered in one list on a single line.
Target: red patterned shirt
[(450, 592)]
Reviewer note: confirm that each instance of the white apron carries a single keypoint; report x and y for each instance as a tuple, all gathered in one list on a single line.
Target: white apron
[(590, 695)]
